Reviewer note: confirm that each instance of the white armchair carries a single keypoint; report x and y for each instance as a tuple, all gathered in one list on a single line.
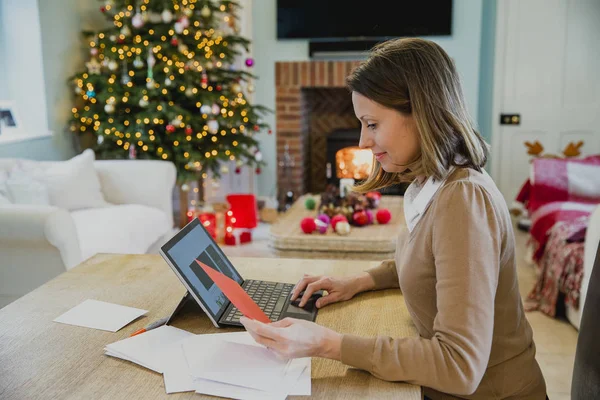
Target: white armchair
[(39, 242)]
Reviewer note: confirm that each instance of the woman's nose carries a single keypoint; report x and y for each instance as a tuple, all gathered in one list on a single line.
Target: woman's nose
[(365, 142)]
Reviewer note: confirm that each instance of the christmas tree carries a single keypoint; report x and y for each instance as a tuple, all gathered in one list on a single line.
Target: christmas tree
[(168, 82)]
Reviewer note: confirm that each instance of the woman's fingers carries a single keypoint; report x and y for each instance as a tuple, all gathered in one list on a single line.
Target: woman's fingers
[(266, 330), (323, 283), (284, 323), (301, 285), (330, 298)]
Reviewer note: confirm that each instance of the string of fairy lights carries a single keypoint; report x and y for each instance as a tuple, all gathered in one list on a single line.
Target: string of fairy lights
[(144, 119)]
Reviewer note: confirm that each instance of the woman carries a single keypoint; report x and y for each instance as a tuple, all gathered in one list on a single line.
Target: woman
[(455, 264)]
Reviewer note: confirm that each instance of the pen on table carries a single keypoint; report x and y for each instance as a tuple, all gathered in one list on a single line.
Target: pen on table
[(151, 326)]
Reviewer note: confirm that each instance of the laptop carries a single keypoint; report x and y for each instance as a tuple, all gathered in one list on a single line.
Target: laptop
[(193, 243)]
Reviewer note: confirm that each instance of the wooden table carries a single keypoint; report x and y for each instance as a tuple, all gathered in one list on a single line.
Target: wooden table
[(373, 242), (44, 359)]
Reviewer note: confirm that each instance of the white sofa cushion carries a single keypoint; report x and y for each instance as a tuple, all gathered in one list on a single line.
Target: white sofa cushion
[(23, 188), (123, 229), (71, 184)]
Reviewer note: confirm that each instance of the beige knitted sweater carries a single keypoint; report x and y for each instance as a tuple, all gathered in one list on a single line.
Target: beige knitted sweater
[(457, 273)]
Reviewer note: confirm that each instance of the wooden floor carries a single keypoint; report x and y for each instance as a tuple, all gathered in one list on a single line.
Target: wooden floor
[(555, 339)]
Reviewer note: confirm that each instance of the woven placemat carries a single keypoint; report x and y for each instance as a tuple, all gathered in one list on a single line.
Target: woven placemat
[(286, 234)]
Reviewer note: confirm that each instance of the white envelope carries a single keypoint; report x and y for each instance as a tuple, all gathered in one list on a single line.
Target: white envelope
[(234, 363), (100, 315), (148, 348)]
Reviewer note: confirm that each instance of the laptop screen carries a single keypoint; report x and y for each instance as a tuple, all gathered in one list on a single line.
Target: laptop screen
[(194, 243)]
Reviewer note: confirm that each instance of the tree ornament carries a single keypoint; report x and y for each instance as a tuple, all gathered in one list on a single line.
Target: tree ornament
[(154, 17), (270, 131), (205, 12), (206, 109), (258, 156), (90, 94), (216, 109), (189, 131), (93, 66), (109, 108), (360, 218), (308, 225), (251, 88), (126, 31), (170, 128), (213, 126), (188, 12), (138, 63), (204, 79), (249, 62), (183, 49), (113, 65), (100, 139), (236, 87), (132, 152), (143, 102), (113, 38), (150, 84), (167, 16), (310, 203), (239, 163), (102, 9), (137, 21), (324, 218), (168, 81), (238, 170), (125, 78), (258, 171), (256, 128), (210, 65), (225, 169), (185, 187), (94, 51), (189, 92), (178, 28), (383, 216), (219, 88), (184, 21), (78, 90), (321, 226), (145, 16), (342, 228), (174, 41), (336, 219)]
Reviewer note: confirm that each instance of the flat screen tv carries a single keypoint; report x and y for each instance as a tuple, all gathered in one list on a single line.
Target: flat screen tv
[(359, 19)]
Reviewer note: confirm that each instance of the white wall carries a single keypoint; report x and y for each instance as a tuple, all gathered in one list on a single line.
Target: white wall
[(23, 72), (463, 46)]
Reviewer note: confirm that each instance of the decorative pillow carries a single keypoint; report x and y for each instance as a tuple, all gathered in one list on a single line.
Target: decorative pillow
[(71, 184), (23, 188)]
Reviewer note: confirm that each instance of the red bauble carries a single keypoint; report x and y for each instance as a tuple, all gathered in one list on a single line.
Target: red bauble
[(189, 130), (170, 128), (103, 9), (238, 170), (219, 87), (174, 42), (256, 128), (258, 171), (375, 195), (308, 225), (370, 216), (360, 218), (383, 216), (337, 218), (120, 40), (270, 131)]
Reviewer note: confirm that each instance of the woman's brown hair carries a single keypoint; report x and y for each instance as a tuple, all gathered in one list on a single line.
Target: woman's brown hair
[(416, 77)]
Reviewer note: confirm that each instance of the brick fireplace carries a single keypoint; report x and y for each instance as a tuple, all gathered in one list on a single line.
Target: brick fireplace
[(311, 103)]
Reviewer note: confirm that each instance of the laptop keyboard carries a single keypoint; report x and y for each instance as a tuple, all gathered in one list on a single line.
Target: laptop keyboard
[(270, 297)]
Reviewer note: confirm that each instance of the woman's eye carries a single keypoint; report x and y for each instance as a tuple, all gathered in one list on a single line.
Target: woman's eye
[(371, 126)]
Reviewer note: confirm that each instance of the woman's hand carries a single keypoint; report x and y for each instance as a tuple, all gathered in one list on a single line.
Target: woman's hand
[(338, 289), (296, 338)]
